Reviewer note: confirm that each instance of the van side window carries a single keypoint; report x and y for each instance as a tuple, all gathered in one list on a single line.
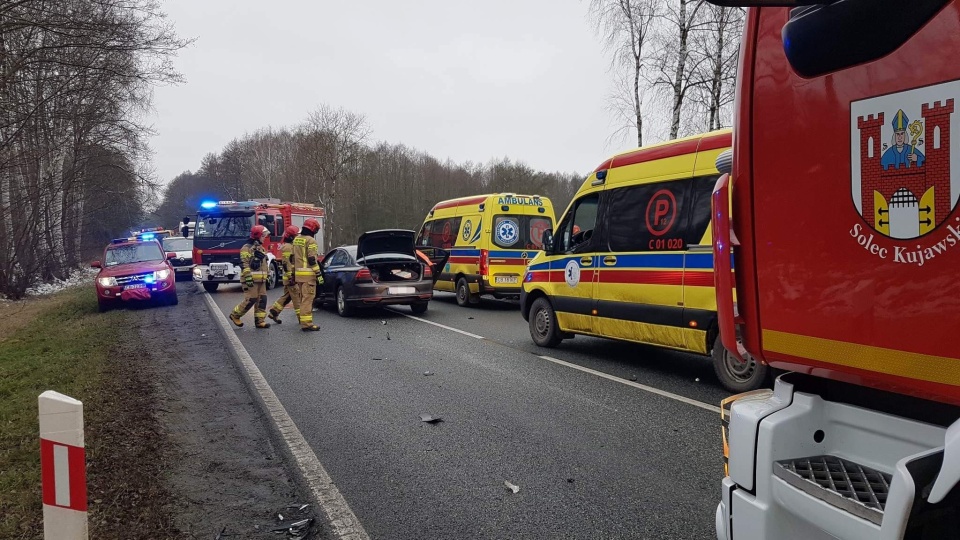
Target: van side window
[(440, 233), (665, 216), (576, 231)]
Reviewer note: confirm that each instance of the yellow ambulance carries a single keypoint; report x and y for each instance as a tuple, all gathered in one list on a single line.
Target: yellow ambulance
[(632, 257), (491, 238)]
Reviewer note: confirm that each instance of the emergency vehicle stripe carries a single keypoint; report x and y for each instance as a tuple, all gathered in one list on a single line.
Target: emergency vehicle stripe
[(906, 364), (678, 261)]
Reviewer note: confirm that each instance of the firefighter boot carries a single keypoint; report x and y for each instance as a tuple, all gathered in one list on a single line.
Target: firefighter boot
[(262, 323), (275, 316), (235, 319), (310, 328)]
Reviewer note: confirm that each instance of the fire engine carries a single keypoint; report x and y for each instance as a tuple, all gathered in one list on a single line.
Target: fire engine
[(222, 227), (840, 214)]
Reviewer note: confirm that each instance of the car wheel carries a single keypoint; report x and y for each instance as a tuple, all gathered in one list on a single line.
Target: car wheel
[(272, 276), (463, 292), (103, 306), (737, 376), (343, 308), (172, 299), (419, 309), (543, 324), (210, 286)]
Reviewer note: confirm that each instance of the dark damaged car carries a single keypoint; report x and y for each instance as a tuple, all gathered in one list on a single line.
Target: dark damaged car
[(382, 269)]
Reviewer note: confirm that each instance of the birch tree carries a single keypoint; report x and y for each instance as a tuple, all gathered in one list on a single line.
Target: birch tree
[(678, 68), (625, 27)]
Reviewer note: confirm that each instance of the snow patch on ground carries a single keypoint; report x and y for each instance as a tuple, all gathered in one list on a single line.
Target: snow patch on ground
[(80, 276)]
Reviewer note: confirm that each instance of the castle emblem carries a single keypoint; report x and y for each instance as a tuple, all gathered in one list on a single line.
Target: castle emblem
[(905, 166)]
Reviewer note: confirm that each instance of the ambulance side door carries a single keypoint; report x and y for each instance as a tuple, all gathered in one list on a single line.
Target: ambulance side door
[(573, 265)]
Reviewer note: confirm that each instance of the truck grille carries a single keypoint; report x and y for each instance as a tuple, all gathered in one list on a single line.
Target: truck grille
[(184, 261), (130, 280), (858, 489)]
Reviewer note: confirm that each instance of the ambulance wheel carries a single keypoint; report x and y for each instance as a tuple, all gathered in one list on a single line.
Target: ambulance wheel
[(343, 308), (272, 277), (419, 309), (543, 324), (737, 376), (210, 286), (463, 292)]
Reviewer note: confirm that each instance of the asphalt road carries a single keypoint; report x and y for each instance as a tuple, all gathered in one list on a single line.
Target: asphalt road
[(594, 458)]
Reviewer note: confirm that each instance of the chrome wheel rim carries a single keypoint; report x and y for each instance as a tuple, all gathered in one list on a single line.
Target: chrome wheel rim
[(341, 301), (462, 293), (741, 371)]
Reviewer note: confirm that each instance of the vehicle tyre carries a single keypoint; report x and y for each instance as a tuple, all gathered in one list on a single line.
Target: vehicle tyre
[(102, 306), (419, 309), (343, 308), (543, 324), (172, 299), (210, 286), (272, 276), (738, 376), (463, 293)]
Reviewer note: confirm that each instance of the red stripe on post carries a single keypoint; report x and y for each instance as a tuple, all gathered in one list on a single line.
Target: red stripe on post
[(77, 473), (47, 481)]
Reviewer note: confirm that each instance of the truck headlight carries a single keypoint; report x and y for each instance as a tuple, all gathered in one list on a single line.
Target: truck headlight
[(108, 281), (162, 274)]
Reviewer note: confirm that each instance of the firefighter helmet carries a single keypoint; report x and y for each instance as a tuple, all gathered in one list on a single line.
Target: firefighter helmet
[(259, 232), (312, 225), (291, 231)]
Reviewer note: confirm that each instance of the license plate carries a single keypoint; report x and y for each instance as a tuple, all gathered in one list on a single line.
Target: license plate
[(506, 279), (401, 290), (218, 271), (134, 286)]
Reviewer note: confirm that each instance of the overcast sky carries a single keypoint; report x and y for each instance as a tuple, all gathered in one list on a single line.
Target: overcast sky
[(525, 79)]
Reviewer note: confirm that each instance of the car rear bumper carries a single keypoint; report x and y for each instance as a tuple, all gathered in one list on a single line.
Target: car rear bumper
[(390, 300), (379, 294)]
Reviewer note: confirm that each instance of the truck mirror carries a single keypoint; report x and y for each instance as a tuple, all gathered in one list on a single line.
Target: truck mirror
[(548, 240), (96, 264)]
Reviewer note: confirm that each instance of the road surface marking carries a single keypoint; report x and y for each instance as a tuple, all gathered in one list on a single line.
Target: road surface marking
[(639, 386), (614, 378), (344, 523), (445, 327)]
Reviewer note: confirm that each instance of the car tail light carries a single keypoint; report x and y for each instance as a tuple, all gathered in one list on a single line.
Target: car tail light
[(363, 275), (427, 271), (197, 256), (484, 262)]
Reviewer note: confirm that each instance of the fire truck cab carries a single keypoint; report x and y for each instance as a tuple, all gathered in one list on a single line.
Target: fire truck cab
[(223, 227), (844, 228)]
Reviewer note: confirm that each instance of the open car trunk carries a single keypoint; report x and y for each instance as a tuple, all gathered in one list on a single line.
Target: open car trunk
[(390, 271)]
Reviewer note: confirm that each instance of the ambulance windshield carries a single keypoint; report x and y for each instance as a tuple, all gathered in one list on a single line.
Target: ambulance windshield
[(223, 225)]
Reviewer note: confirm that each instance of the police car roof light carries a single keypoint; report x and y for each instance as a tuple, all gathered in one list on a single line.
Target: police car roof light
[(208, 205)]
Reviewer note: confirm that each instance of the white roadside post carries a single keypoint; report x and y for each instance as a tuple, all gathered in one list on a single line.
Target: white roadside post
[(63, 469)]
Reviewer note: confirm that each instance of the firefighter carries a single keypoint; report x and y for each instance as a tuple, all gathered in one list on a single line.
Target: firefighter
[(306, 272), (286, 262), (253, 278)]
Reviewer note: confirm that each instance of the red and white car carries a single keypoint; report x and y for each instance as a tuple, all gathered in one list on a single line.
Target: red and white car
[(135, 269)]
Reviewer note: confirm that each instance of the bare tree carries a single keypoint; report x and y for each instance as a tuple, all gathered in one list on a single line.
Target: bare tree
[(720, 45), (678, 68), (625, 27)]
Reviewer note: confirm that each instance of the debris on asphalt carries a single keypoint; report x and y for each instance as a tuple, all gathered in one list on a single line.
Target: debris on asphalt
[(512, 487), (570, 480), (383, 322), (221, 534), (376, 358), (427, 373), (633, 378), (296, 523), (430, 419), (697, 379), (471, 318), (388, 336), (295, 529), (203, 335)]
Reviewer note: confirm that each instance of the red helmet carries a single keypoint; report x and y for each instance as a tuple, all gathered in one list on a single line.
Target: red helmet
[(259, 232), (291, 231), (312, 225)]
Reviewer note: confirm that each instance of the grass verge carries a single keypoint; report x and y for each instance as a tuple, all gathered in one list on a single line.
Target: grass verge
[(70, 348)]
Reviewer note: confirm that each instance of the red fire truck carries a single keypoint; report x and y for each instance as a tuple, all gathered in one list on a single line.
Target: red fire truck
[(222, 227), (844, 229)]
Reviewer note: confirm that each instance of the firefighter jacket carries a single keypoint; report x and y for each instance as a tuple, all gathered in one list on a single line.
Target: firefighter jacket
[(286, 262), (306, 268), (254, 262)]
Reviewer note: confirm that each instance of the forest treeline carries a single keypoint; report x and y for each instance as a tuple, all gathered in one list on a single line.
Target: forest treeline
[(75, 79), (328, 161)]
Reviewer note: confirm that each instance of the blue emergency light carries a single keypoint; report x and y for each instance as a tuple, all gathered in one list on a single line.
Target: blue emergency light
[(147, 236), (207, 205)]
